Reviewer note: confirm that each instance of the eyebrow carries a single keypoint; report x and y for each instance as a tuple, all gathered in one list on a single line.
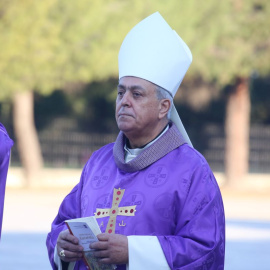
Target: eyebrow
[(132, 87)]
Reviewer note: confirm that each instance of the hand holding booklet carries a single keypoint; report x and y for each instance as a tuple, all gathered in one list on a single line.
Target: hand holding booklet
[(86, 230)]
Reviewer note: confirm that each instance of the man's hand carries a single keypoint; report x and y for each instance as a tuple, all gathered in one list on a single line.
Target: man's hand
[(70, 244), (111, 248)]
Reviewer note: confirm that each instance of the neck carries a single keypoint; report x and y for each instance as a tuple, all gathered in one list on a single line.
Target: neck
[(141, 141)]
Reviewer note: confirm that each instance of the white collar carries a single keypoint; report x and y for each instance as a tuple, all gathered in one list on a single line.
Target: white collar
[(132, 153)]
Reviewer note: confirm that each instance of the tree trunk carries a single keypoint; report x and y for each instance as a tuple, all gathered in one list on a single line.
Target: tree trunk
[(26, 136), (237, 133)]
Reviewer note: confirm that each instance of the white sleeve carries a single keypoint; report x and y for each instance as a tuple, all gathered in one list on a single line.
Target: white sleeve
[(57, 261), (145, 252)]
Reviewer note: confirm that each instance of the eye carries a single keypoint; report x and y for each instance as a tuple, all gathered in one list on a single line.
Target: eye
[(136, 94), (120, 93)]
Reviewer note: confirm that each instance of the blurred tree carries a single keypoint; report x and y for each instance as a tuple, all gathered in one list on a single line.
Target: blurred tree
[(48, 44), (47, 107), (260, 96), (229, 41), (94, 106)]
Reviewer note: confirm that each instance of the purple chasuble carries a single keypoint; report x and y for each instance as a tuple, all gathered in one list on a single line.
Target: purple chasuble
[(5, 146), (175, 193)]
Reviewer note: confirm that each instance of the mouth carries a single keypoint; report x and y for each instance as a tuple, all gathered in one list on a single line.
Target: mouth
[(124, 115)]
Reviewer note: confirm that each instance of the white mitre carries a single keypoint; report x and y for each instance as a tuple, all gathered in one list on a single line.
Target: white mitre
[(154, 52)]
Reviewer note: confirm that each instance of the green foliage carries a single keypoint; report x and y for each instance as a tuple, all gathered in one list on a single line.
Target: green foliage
[(26, 41), (228, 39), (48, 44)]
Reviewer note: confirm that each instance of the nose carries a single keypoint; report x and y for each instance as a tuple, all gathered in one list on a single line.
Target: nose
[(125, 100)]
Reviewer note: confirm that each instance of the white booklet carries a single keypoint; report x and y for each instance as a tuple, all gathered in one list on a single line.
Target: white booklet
[(86, 230)]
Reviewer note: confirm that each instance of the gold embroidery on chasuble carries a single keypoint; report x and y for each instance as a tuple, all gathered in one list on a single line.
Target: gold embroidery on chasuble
[(115, 210)]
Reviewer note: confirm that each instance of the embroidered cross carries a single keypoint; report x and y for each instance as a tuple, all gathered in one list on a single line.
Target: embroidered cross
[(115, 210), (100, 180), (158, 178)]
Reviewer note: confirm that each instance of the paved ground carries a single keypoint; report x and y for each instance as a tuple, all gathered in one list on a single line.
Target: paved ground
[(29, 213)]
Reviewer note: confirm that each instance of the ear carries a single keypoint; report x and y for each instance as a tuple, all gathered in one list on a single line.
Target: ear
[(164, 107)]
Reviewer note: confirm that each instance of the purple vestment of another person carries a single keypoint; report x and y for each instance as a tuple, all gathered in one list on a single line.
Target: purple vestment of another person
[(5, 146), (175, 193)]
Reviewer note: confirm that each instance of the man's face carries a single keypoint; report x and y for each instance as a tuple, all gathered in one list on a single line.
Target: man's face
[(137, 106)]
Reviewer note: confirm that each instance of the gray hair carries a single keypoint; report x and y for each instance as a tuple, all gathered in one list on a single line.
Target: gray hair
[(164, 94)]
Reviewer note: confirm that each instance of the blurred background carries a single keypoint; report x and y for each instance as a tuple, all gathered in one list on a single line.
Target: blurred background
[(59, 72)]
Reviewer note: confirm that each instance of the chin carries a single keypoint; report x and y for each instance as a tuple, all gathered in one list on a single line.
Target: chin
[(124, 127)]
